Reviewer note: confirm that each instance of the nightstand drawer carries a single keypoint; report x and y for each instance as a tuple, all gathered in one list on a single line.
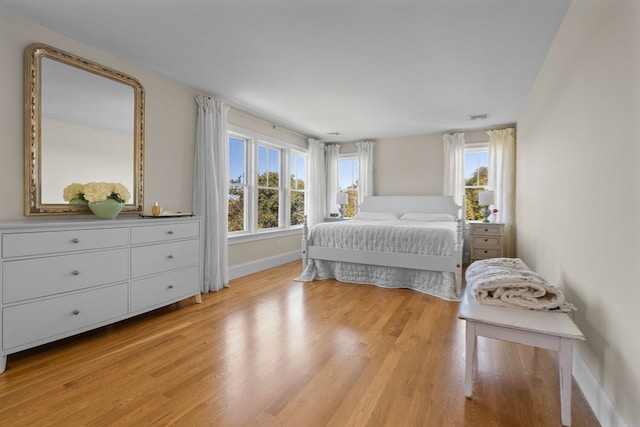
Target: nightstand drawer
[(479, 253), (486, 229), (486, 242)]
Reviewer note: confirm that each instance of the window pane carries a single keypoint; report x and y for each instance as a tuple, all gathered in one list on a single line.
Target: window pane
[(297, 207), (268, 208), (237, 149), (236, 209), (476, 179), (348, 181), (476, 165), (298, 172), (297, 195), (268, 167), (237, 153), (348, 173)]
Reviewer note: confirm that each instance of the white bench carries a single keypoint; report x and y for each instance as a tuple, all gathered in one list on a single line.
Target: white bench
[(549, 330)]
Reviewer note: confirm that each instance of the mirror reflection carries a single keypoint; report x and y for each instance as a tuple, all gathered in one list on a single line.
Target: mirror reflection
[(87, 129), (85, 123)]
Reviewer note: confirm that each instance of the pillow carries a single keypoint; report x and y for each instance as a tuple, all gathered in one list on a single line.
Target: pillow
[(376, 216), (428, 217)]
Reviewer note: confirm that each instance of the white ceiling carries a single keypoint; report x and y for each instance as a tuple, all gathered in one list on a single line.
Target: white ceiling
[(365, 68)]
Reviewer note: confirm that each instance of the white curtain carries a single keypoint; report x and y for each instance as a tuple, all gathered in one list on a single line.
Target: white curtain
[(211, 188), (331, 156), (365, 166), (317, 192), (453, 179), (502, 158)]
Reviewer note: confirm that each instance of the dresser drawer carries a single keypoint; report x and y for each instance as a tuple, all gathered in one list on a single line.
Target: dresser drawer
[(162, 257), (164, 232), (479, 253), (53, 318), (48, 242), (167, 287), (486, 242), (486, 230), (32, 278)]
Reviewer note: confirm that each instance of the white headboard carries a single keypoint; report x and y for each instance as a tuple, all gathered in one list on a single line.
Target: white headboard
[(404, 204)]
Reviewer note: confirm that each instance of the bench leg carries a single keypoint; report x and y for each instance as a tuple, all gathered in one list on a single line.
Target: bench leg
[(565, 356), (470, 348)]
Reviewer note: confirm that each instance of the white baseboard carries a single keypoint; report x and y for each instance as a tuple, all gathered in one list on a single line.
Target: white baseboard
[(597, 398), (263, 264)]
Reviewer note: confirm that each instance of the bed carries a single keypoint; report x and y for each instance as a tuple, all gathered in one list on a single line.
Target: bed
[(410, 242)]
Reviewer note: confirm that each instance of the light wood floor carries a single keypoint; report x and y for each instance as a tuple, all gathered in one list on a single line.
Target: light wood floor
[(270, 351)]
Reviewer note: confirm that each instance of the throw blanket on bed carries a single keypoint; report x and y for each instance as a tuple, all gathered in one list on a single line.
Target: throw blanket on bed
[(508, 282)]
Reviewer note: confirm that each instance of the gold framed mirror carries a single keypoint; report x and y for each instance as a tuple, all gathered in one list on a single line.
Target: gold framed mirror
[(84, 122)]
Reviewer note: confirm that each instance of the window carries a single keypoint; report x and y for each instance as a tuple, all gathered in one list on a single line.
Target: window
[(258, 194), (476, 177), (348, 171)]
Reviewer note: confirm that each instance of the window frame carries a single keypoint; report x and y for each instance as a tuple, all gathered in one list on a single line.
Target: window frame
[(253, 140)]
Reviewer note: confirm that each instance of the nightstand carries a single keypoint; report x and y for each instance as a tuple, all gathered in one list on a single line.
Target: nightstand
[(486, 240)]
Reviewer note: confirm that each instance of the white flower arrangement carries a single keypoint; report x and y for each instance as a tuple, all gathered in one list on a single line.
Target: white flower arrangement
[(96, 192)]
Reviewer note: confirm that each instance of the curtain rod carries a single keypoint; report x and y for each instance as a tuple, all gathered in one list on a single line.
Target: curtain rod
[(510, 125)]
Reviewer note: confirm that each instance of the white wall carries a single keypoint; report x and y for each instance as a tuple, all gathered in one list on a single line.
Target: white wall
[(578, 192), (408, 165)]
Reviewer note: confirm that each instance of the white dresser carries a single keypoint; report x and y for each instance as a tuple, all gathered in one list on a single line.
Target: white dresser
[(60, 278)]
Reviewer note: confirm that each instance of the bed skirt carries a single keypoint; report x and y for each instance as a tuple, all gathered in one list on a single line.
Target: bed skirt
[(436, 283)]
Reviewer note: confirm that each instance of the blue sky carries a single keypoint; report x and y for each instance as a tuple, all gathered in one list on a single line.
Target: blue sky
[(348, 172), (236, 158), (473, 160)]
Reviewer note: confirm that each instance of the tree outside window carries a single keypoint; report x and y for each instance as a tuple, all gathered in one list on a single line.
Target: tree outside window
[(268, 187), (237, 184), (298, 165)]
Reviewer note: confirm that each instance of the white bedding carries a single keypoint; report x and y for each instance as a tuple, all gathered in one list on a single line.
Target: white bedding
[(399, 236)]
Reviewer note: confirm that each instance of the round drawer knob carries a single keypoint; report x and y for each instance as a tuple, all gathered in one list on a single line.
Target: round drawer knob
[(75, 312), (170, 232), (75, 240), (170, 286), (170, 257), (75, 272)]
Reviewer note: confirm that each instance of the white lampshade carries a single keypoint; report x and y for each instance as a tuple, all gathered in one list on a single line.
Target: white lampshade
[(341, 198), (485, 198)]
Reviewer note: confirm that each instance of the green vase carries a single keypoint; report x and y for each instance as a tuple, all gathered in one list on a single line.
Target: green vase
[(106, 209), (78, 201)]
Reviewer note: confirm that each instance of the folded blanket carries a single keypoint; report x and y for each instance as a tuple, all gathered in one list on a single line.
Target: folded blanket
[(508, 282)]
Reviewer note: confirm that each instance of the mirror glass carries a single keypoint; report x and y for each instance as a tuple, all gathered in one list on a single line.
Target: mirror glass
[(86, 125)]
